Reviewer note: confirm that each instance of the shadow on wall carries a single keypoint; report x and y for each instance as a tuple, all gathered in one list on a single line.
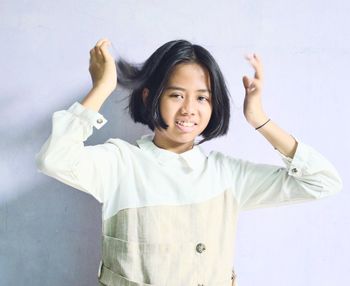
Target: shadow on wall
[(20, 143), (50, 236), (50, 232)]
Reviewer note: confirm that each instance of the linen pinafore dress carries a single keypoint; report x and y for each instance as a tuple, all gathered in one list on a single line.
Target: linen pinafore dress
[(170, 245)]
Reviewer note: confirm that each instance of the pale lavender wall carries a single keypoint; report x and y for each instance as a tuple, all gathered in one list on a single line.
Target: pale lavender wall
[(50, 233)]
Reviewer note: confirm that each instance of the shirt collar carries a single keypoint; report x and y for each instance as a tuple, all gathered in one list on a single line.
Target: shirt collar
[(195, 158)]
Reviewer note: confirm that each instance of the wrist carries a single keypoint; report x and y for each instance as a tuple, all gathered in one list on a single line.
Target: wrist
[(262, 125), (103, 89), (258, 120)]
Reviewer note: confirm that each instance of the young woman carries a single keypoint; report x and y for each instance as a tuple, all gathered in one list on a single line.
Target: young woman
[(170, 210)]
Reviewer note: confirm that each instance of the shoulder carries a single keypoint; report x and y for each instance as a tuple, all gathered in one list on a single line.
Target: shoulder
[(222, 160), (221, 157), (122, 145), (126, 149)]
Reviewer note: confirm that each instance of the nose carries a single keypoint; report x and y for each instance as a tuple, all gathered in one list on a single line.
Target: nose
[(188, 106)]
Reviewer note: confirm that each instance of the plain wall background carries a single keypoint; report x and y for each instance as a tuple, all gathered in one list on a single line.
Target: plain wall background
[(50, 233)]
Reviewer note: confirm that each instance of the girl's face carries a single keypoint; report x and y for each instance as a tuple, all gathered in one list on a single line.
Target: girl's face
[(186, 106)]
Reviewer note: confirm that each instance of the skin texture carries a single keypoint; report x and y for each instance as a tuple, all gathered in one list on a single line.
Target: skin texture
[(186, 103)]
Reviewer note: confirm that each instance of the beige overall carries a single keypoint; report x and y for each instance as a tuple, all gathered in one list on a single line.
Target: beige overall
[(185, 245)]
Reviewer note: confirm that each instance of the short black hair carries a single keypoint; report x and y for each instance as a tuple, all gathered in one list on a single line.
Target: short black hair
[(154, 73)]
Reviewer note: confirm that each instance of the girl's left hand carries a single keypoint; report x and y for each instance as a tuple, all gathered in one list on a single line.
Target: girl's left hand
[(253, 110)]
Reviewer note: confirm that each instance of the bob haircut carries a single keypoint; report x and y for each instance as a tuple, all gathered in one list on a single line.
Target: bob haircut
[(154, 74)]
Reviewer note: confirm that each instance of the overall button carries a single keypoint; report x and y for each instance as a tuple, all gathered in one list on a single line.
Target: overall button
[(200, 247)]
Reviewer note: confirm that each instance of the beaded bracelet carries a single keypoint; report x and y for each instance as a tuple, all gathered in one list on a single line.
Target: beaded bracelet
[(262, 125)]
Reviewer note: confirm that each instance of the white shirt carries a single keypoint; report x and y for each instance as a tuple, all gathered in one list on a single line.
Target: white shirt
[(122, 175)]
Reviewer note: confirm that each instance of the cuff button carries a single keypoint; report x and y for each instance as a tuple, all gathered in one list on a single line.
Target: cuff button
[(295, 170), (99, 121)]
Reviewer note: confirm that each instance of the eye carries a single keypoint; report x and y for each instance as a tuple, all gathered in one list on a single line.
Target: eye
[(175, 95), (203, 98)]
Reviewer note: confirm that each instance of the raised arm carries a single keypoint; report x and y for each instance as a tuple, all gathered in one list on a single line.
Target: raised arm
[(307, 175), (103, 74), (256, 116), (92, 169)]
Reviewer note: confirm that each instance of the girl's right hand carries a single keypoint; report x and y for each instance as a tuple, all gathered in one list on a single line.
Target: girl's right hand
[(102, 66)]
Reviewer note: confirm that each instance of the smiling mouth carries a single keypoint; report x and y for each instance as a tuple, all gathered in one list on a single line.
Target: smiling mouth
[(185, 127), (185, 123)]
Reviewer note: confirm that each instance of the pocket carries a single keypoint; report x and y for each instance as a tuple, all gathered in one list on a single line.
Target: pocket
[(139, 261), (109, 278)]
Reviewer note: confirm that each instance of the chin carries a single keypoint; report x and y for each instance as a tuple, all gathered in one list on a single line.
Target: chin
[(185, 139)]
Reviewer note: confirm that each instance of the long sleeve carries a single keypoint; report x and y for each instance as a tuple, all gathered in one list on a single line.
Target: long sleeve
[(91, 169), (308, 176)]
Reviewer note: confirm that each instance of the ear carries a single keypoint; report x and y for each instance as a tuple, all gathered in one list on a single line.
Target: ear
[(145, 93)]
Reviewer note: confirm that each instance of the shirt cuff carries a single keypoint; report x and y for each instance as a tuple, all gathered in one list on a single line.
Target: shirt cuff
[(297, 165), (92, 117)]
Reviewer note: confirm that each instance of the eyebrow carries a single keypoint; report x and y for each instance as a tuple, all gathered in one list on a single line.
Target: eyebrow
[(180, 88)]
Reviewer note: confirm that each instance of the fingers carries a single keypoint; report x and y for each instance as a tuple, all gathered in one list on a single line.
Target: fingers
[(104, 49), (255, 61), (100, 42), (255, 84), (100, 49), (251, 84), (246, 82)]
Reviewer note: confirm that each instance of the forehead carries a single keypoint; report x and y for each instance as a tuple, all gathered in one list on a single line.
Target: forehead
[(189, 74)]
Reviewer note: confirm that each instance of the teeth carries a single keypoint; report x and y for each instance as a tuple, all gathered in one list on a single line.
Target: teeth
[(186, 124)]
